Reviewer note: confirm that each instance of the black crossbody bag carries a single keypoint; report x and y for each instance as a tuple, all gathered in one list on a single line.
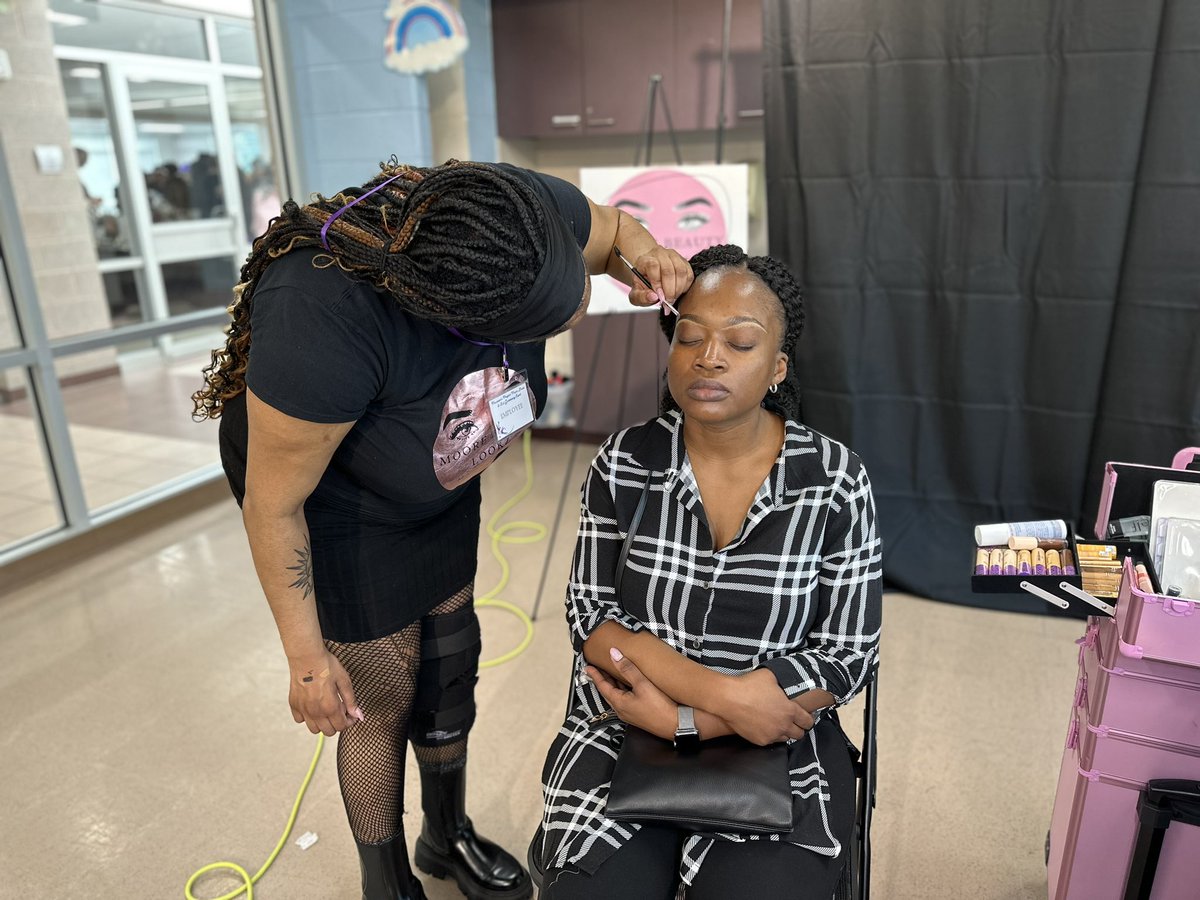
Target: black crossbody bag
[(729, 784)]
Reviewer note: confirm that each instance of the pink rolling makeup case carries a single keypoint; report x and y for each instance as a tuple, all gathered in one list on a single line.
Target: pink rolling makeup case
[(1109, 758), (1120, 830)]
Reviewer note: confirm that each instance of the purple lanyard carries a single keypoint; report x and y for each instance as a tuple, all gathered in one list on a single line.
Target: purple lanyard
[(503, 347), (454, 331), (336, 215)]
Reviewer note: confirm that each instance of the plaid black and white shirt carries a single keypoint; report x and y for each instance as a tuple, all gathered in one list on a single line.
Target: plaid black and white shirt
[(798, 590)]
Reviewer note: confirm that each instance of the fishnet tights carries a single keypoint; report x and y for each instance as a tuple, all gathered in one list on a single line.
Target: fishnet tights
[(370, 754)]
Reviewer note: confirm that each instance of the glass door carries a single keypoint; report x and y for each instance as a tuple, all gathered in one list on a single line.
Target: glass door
[(106, 191), (186, 192)]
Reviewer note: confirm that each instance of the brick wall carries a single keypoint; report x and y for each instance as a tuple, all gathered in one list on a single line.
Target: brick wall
[(53, 213)]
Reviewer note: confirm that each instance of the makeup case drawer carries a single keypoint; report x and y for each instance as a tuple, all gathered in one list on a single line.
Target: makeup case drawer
[(1164, 708), (1156, 628), (1105, 631), (1126, 754)]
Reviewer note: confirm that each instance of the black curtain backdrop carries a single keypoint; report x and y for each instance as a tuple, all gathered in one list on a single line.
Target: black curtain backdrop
[(995, 211)]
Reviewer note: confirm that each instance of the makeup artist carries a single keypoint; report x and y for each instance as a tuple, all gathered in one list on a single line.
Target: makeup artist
[(386, 346)]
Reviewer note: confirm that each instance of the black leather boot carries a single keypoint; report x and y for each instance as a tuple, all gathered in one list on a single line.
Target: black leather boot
[(448, 844), (386, 874)]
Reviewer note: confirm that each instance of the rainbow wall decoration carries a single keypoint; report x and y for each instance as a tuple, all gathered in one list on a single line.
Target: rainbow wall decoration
[(424, 36)]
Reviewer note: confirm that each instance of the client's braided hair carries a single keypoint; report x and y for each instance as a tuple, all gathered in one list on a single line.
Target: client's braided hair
[(458, 244), (780, 281)]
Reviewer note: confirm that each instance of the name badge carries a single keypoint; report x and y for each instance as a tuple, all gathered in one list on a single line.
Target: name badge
[(486, 411), (511, 411)]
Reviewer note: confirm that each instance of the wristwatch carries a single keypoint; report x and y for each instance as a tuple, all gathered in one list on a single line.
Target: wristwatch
[(687, 738)]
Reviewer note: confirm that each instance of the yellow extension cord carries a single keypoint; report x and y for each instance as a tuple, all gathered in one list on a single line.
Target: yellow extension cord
[(499, 535)]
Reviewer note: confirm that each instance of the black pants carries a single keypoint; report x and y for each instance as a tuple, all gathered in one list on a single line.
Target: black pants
[(647, 868)]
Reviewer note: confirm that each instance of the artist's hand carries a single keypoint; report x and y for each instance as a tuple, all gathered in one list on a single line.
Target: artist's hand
[(320, 693), (641, 704), (756, 707), (667, 271)]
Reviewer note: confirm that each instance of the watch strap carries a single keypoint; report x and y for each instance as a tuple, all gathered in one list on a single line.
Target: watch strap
[(687, 737)]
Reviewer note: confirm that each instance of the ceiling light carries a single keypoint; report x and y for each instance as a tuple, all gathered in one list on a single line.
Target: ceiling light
[(160, 128), (67, 20), (241, 8)]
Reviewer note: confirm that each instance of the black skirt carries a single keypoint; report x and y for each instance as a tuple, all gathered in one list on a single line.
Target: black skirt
[(372, 576)]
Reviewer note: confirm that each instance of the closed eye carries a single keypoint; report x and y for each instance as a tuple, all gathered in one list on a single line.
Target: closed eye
[(692, 221)]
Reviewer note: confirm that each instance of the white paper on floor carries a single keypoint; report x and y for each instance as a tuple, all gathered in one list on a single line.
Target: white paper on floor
[(306, 840)]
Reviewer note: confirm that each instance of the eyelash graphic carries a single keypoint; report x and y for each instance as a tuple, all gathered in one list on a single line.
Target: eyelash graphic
[(692, 221)]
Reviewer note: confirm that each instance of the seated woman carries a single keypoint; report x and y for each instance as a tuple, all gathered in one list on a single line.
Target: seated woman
[(751, 593)]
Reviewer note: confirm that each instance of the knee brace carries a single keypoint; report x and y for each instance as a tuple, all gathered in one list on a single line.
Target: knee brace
[(444, 705)]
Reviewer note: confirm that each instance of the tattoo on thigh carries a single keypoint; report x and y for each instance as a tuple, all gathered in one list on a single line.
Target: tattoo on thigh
[(303, 569)]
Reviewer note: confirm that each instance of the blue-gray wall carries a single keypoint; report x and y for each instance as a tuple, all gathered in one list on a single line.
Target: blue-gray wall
[(480, 77), (351, 111)]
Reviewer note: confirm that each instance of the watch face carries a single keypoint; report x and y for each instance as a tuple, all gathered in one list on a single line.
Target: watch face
[(687, 740), (686, 735)]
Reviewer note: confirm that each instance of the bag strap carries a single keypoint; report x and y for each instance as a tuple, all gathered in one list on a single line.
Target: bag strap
[(633, 527)]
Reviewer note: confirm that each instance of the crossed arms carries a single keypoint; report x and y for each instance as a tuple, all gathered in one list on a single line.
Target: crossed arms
[(645, 681)]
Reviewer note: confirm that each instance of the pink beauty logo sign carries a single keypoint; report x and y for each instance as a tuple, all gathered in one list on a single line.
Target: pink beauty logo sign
[(679, 209), (687, 208)]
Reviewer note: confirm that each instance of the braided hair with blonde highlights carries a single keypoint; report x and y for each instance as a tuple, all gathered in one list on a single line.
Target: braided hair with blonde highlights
[(458, 244), (783, 285)]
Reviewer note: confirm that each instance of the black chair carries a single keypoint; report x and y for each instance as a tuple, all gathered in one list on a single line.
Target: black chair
[(856, 877), (855, 883)]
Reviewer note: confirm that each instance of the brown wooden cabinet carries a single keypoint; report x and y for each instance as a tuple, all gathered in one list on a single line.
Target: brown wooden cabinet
[(582, 67), (625, 42), (696, 89), (537, 46)]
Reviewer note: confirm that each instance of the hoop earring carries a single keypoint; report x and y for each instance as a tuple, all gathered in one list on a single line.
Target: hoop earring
[(774, 388)]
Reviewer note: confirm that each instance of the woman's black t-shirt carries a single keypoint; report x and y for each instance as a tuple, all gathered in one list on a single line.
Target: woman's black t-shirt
[(389, 540)]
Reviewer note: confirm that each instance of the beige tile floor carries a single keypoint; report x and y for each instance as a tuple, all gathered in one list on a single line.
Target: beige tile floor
[(146, 730)]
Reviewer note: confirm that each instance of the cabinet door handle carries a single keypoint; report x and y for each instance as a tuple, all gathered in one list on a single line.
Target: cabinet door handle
[(566, 121), (601, 123), (750, 113)]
